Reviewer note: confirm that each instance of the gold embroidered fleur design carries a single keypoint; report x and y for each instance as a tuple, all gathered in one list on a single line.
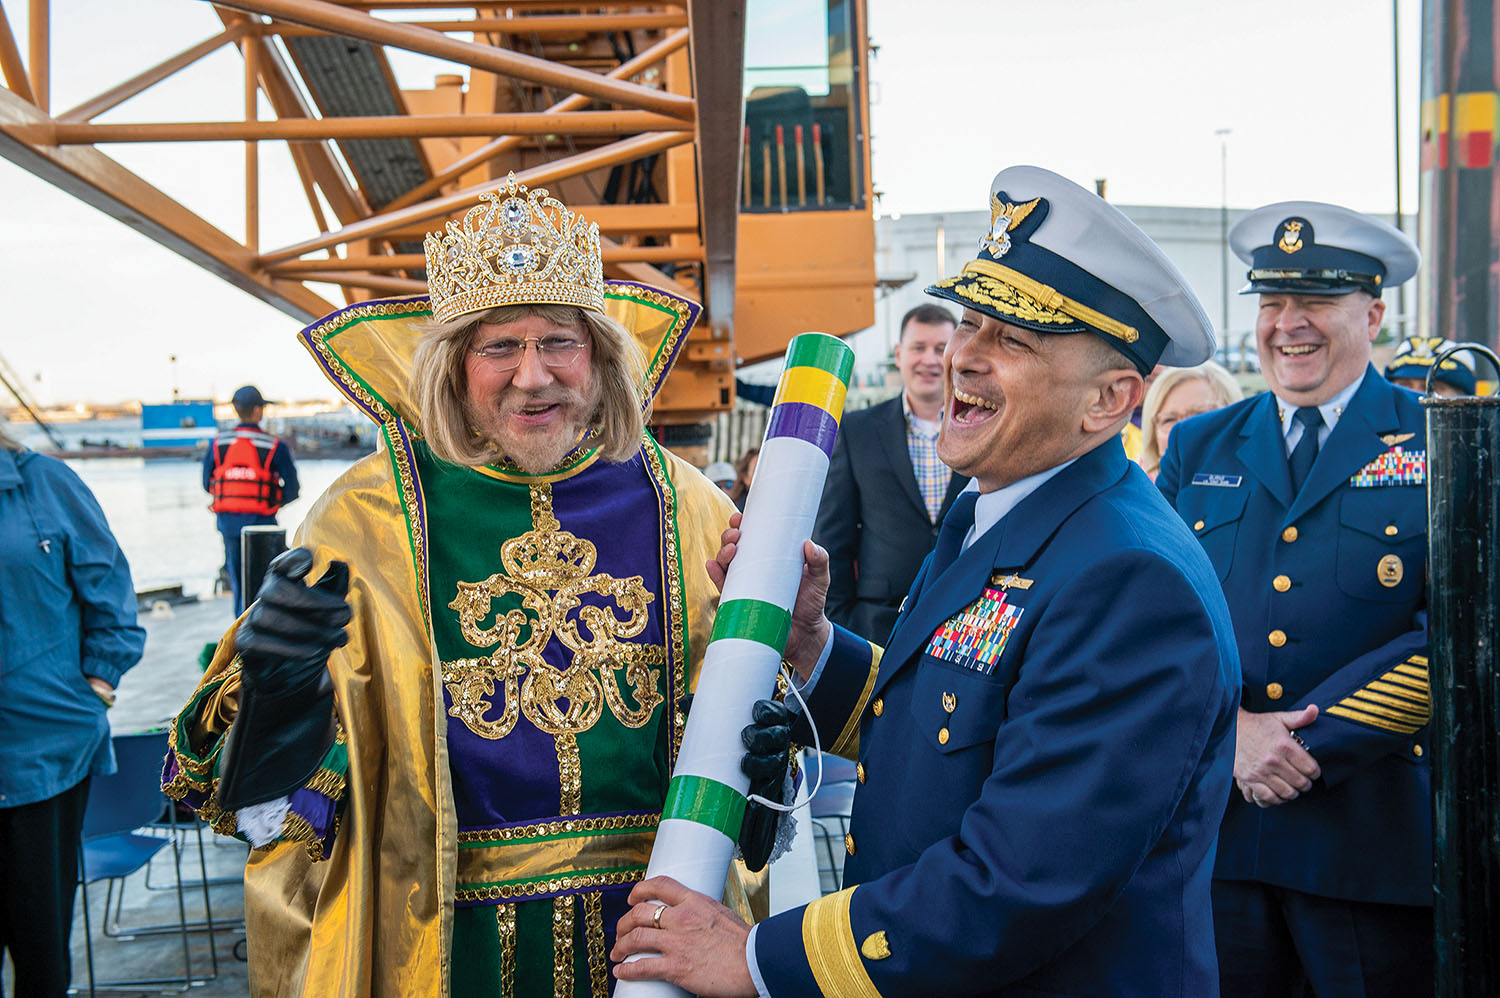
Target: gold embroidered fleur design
[(551, 570)]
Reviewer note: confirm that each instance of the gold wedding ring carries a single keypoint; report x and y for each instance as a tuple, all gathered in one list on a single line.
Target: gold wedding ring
[(656, 915)]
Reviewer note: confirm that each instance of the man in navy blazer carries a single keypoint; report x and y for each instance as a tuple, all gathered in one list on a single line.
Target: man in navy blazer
[(1044, 746), (886, 491), (1311, 502)]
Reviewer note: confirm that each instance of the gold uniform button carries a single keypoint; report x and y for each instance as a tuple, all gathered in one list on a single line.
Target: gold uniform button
[(1274, 691), (859, 772), (1416, 750), (1277, 638), (1391, 530), (849, 844), (1198, 525), (878, 707), (1289, 534), (942, 736), (1281, 583)]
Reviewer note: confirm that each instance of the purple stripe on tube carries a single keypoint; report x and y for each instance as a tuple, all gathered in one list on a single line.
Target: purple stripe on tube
[(805, 422)]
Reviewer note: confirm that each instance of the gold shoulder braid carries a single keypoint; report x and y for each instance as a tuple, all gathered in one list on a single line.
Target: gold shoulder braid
[(549, 569)]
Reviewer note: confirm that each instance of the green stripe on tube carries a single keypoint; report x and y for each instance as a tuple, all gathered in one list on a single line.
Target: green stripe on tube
[(827, 353), (708, 802), (753, 620)]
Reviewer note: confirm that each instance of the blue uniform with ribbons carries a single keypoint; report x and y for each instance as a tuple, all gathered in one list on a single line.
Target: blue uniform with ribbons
[(1043, 750), (1327, 587)]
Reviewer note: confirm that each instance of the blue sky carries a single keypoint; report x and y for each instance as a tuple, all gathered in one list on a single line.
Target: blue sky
[(1129, 91)]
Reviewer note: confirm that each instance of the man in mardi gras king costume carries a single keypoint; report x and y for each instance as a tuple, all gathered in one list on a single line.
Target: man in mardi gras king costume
[(452, 750)]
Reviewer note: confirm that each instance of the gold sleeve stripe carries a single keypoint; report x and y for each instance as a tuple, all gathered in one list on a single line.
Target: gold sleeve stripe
[(847, 743), (1375, 722), (1362, 701), (1399, 701), (1418, 697), (832, 952), (1407, 681)]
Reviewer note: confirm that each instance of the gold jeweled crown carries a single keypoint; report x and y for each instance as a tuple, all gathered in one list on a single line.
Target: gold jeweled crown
[(514, 247)]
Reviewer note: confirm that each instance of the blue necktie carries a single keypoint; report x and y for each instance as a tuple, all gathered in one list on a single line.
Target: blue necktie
[(1306, 451), (955, 528)]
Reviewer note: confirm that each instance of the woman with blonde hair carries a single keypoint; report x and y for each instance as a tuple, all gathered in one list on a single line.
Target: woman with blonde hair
[(1175, 395)]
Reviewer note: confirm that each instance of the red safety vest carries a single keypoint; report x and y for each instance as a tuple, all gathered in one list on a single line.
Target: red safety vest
[(242, 480)]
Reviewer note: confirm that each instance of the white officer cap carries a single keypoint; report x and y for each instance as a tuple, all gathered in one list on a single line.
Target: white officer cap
[(1060, 259), (1307, 247)]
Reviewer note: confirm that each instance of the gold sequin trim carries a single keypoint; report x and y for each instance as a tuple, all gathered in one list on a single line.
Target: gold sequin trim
[(297, 829), (672, 580), (593, 931), (574, 882), (328, 783), (562, 826), (505, 925), (662, 360), (569, 775), (562, 947), (411, 502)]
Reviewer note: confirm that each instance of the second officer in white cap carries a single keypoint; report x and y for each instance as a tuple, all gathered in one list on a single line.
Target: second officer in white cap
[(1311, 502), (1044, 744)]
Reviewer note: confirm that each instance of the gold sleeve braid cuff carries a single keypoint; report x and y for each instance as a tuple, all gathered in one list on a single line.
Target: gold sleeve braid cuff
[(833, 955), (1400, 701)]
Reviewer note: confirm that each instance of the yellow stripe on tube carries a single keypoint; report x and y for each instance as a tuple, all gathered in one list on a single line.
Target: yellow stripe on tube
[(813, 386)]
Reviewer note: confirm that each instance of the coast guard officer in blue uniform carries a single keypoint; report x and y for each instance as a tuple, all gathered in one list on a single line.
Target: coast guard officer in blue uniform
[(1311, 502), (1044, 746)]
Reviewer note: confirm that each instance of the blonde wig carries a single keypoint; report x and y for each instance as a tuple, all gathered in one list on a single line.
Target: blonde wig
[(440, 386), (1225, 389)]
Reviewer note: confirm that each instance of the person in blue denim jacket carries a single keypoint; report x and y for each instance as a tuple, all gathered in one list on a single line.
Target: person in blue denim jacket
[(67, 633)]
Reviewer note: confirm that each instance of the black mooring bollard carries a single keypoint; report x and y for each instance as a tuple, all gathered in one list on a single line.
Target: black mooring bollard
[(1463, 528), (259, 546)]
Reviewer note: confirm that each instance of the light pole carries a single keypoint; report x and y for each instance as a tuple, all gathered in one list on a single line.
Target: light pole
[(1223, 134)]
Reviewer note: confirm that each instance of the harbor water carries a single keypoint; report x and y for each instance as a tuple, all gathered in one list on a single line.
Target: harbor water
[(160, 515), (157, 508)]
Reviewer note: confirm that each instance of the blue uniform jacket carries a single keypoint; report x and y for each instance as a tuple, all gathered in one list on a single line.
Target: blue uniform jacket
[(1328, 595), (67, 611), (1043, 755)]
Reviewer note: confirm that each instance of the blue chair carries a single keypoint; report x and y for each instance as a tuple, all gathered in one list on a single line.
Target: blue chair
[(111, 850)]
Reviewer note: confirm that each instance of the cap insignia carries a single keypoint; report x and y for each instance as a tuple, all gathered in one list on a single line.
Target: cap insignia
[(1291, 236), (1004, 217)]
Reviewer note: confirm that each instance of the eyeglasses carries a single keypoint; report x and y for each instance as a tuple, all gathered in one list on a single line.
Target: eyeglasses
[(556, 350), (1166, 419)]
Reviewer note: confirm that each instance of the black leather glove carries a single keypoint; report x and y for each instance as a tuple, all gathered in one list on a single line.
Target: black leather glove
[(767, 740), (285, 722)]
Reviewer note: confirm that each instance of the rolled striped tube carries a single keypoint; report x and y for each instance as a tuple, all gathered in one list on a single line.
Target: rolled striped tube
[(706, 797)]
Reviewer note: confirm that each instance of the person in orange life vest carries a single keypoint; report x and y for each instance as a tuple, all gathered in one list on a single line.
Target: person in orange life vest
[(251, 475)]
